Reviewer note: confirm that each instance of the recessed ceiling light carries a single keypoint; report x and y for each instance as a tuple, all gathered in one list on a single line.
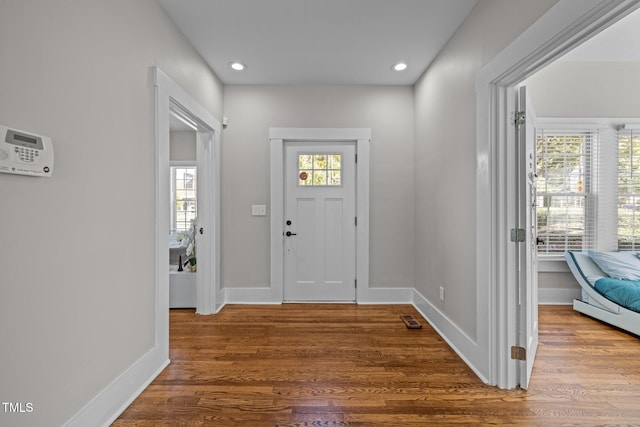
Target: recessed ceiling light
[(238, 66), (400, 66)]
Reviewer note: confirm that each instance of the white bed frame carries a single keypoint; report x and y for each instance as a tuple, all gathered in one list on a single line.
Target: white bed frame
[(595, 305)]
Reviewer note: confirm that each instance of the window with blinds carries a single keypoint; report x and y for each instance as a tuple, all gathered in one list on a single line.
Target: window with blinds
[(566, 179), (628, 189)]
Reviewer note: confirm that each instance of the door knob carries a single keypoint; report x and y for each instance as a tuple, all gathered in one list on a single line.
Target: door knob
[(288, 233)]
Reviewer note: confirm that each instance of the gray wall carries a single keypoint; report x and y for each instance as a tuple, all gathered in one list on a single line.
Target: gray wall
[(445, 155), (77, 256), (183, 146), (586, 89), (252, 110)]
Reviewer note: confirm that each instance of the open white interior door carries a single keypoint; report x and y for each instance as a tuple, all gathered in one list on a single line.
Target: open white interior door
[(527, 346), (204, 226)]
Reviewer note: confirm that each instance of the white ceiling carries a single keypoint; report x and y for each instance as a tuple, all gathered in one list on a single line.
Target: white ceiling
[(620, 42), (318, 41)]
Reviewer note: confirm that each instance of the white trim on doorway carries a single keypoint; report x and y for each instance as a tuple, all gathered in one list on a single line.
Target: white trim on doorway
[(567, 24), (277, 138), (171, 99), (114, 399)]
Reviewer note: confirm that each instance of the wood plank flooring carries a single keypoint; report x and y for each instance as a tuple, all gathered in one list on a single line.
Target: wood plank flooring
[(358, 365)]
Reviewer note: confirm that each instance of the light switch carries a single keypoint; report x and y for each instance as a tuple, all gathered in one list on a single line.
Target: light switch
[(259, 210)]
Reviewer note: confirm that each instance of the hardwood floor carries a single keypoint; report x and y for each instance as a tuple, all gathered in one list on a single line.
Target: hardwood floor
[(351, 365)]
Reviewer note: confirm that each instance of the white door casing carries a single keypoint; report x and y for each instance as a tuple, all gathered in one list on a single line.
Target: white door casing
[(172, 99), (278, 137), (207, 236), (320, 222), (527, 250)]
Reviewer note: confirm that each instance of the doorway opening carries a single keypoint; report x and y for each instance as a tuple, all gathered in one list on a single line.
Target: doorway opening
[(576, 161), (183, 212), (565, 26), (172, 102)]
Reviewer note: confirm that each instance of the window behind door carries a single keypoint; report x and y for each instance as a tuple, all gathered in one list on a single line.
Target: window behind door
[(183, 196), (565, 183)]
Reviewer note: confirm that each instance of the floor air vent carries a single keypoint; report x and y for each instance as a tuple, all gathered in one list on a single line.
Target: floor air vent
[(410, 321)]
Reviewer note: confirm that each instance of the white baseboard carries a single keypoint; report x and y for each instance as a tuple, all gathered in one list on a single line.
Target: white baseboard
[(107, 406), (385, 296), (558, 296), (457, 339), (546, 296), (251, 296), (365, 296), (221, 300)]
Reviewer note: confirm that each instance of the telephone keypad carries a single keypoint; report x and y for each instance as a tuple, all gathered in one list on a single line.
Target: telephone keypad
[(26, 155)]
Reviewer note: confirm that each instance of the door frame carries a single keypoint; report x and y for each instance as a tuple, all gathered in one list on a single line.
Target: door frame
[(171, 99), (566, 25), (277, 139), (319, 291)]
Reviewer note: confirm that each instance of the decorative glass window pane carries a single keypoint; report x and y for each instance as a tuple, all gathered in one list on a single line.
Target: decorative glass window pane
[(305, 161), (304, 178), (334, 161), (319, 161), (320, 170), (334, 178), (319, 177)]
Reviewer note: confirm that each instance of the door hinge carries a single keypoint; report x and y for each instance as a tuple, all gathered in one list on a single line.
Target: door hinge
[(356, 218), (355, 282), (518, 235), (356, 157), (518, 353), (518, 118)]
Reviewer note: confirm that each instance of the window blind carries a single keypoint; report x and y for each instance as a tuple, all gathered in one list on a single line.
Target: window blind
[(566, 186), (628, 197)]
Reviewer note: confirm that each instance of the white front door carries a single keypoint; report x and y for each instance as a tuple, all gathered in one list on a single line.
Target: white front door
[(320, 222), (528, 277)]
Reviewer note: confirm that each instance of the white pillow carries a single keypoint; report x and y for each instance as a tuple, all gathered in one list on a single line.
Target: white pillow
[(618, 265)]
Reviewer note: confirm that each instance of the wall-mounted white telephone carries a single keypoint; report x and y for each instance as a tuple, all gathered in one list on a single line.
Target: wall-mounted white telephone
[(24, 153)]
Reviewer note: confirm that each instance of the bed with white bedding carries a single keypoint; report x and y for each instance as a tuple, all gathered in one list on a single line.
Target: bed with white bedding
[(610, 283)]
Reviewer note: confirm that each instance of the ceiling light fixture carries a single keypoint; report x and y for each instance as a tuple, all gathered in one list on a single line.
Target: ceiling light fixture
[(400, 66), (238, 66)]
